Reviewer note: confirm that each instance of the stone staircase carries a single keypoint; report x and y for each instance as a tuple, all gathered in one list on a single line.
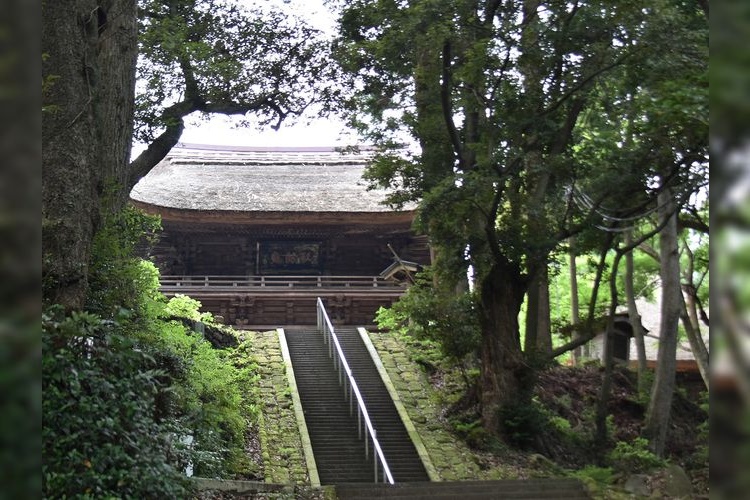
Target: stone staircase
[(338, 450), (399, 450), (473, 490)]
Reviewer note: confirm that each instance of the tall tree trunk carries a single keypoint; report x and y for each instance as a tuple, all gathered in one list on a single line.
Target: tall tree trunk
[(692, 330), (69, 210), (505, 377), (90, 51), (689, 317), (544, 323), (635, 318), (602, 403), (575, 309), (659, 408), (118, 52), (538, 328), (532, 316)]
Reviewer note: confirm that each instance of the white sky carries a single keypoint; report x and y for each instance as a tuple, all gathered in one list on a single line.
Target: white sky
[(219, 130)]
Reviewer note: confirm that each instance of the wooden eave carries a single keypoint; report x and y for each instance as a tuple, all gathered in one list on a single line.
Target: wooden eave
[(257, 218)]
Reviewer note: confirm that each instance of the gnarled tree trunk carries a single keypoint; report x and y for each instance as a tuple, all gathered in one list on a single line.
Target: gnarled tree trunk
[(90, 53), (505, 377)]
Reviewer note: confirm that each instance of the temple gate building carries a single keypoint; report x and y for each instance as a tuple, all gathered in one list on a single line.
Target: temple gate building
[(256, 234)]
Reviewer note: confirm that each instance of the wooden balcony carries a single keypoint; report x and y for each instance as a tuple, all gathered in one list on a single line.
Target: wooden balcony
[(178, 284), (272, 301)]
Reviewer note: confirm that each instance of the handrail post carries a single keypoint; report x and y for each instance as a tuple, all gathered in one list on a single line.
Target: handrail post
[(375, 462)]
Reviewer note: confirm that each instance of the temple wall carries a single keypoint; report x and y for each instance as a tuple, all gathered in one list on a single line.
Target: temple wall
[(224, 253)]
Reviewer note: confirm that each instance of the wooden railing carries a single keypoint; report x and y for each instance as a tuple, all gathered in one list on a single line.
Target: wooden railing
[(231, 283)]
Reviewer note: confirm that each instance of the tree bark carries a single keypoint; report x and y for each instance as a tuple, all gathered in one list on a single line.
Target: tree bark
[(659, 409), (90, 50), (692, 330), (118, 51), (538, 325), (532, 316), (544, 322), (505, 377), (689, 317), (69, 33)]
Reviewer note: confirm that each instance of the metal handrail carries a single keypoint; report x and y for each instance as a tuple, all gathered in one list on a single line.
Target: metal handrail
[(341, 365)]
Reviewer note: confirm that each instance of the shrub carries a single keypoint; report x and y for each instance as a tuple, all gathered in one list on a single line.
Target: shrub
[(117, 278), (601, 476), (635, 456), (523, 422), (211, 395), (187, 307), (101, 437), (449, 320), (123, 393)]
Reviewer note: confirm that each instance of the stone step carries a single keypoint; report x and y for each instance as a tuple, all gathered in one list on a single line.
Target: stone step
[(521, 489)]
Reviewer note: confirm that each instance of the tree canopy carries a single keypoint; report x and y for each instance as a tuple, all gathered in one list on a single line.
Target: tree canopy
[(536, 121), (221, 57)]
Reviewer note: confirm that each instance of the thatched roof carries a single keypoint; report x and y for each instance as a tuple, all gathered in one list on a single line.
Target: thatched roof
[(218, 178)]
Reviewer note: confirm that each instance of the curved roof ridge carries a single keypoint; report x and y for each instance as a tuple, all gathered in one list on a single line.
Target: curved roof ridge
[(278, 149)]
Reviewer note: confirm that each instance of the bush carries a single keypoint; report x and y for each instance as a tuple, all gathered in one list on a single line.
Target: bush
[(123, 393), (448, 320), (601, 476), (523, 422), (187, 307), (101, 437), (634, 457), (117, 278), (472, 432), (211, 399)]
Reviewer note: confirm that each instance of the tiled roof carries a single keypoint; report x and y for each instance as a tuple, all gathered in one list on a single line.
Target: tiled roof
[(217, 178)]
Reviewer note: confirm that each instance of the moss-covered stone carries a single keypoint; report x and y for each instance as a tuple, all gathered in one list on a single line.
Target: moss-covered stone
[(451, 458), (281, 444)]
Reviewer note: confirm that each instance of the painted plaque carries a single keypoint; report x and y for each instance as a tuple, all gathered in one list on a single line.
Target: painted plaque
[(290, 257)]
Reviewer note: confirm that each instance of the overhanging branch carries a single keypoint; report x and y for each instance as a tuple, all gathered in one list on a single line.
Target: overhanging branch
[(174, 115)]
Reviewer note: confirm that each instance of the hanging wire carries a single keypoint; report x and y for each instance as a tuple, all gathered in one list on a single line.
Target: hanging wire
[(586, 204)]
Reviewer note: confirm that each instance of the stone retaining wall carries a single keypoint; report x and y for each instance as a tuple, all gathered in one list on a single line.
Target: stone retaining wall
[(453, 461), (281, 445)]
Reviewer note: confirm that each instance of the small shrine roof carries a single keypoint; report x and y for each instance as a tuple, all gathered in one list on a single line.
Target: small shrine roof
[(245, 179)]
